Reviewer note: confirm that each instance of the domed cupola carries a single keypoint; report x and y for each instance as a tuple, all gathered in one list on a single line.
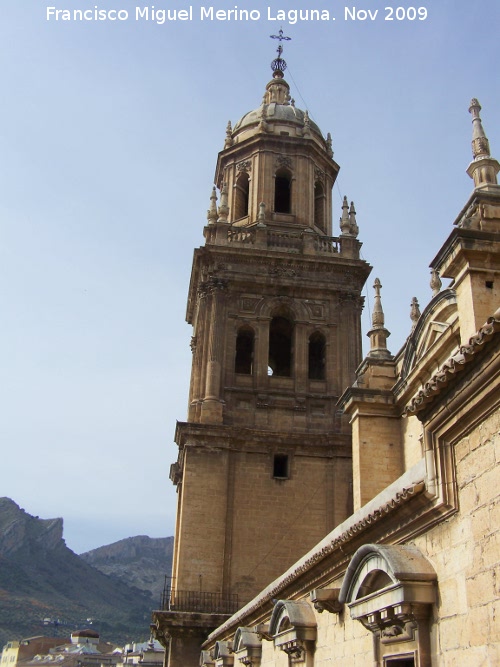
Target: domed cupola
[(277, 167)]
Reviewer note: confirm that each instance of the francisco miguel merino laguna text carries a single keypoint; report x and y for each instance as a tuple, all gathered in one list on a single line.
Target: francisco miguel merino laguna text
[(292, 16)]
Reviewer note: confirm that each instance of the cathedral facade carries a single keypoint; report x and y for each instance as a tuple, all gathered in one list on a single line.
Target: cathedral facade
[(333, 509)]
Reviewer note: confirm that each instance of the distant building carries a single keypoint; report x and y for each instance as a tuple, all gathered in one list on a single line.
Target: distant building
[(333, 510), (25, 649)]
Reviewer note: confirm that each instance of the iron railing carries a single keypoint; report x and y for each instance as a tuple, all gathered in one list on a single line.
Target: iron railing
[(204, 602)]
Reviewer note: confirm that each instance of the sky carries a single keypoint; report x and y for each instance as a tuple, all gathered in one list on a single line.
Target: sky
[(109, 134)]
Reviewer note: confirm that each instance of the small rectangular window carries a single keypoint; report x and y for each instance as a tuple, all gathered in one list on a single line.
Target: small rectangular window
[(280, 466), (400, 662)]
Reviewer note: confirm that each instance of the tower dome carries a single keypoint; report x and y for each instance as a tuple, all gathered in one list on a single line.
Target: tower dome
[(276, 166), (277, 114)]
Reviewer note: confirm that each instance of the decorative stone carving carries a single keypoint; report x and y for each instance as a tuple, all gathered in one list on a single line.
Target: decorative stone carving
[(414, 313), (326, 599), (328, 144), (435, 283), (319, 174), (214, 284), (223, 208), (295, 650), (229, 141), (284, 161), (345, 225), (212, 211), (280, 271), (262, 213), (175, 473), (244, 165)]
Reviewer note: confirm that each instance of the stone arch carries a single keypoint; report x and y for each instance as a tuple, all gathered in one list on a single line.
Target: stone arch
[(247, 646), (294, 309), (293, 628), (433, 321), (223, 654), (390, 589)]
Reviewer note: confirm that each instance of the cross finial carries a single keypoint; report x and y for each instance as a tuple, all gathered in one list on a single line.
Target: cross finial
[(279, 64), (280, 36)]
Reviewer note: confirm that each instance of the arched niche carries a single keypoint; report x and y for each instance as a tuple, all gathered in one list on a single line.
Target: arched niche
[(241, 195), (247, 647), (390, 589), (293, 629)]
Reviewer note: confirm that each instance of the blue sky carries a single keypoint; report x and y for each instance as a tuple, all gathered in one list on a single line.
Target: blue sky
[(109, 134)]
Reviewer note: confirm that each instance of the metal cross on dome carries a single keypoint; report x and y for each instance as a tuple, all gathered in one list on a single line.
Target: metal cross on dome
[(279, 64)]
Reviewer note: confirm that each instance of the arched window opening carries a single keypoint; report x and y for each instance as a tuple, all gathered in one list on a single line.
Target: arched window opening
[(319, 206), (282, 192), (244, 351), (280, 346), (241, 196), (376, 580), (317, 354)]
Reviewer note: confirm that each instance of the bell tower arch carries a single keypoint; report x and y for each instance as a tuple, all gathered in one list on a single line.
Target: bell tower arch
[(264, 461)]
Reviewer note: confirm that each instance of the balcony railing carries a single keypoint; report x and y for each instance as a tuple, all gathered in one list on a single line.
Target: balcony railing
[(204, 602)]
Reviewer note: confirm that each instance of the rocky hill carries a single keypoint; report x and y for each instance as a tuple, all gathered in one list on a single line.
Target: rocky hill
[(138, 561), (40, 577)]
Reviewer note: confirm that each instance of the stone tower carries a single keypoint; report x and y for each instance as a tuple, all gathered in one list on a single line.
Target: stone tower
[(264, 464)]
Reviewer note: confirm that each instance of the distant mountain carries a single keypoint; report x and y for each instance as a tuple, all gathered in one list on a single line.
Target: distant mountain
[(138, 561), (40, 578)]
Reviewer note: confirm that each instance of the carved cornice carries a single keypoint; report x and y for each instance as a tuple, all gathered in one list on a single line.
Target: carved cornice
[(455, 364), (212, 285), (352, 299)]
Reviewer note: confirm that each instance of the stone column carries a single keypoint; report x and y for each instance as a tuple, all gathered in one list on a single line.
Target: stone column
[(199, 346), (211, 409)]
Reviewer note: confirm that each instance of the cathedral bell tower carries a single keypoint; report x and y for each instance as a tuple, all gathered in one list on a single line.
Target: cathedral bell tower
[(264, 464)]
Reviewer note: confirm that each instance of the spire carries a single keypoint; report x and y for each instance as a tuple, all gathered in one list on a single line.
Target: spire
[(414, 313), (279, 64), (480, 144), (378, 334), (278, 90), (212, 211), (378, 313), (329, 147), (354, 229), (229, 141), (345, 226), (223, 207), (483, 169), (348, 224)]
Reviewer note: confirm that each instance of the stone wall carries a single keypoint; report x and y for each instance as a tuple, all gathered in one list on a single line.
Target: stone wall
[(465, 551)]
